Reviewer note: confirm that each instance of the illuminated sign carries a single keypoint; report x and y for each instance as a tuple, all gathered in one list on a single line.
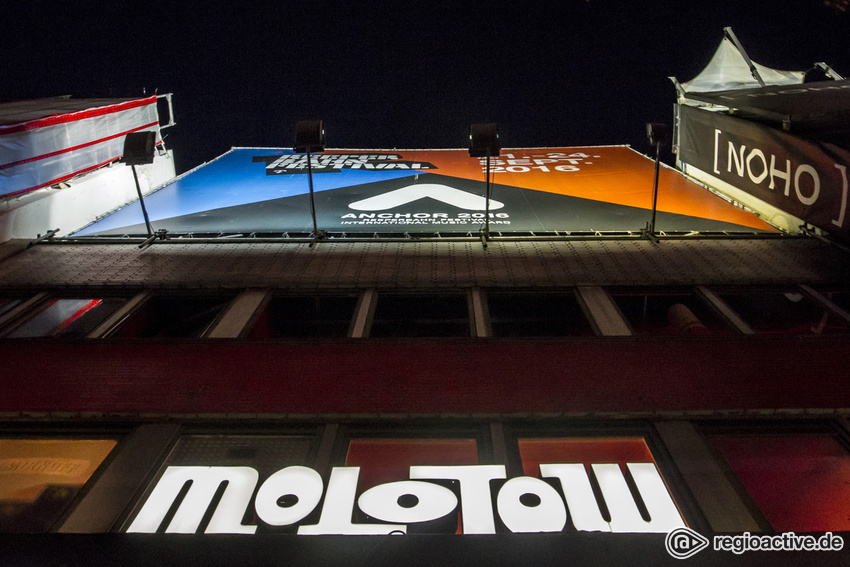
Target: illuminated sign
[(482, 495)]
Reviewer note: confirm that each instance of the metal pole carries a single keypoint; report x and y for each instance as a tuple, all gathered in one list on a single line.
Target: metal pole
[(753, 71), (655, 187), (142, 202), (312, 202), (487, 204)]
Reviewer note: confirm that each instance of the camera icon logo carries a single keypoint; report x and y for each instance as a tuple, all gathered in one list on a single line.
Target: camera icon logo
[(684, 542)]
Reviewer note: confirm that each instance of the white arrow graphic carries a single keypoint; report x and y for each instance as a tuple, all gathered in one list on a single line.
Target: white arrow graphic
[(444, 193)]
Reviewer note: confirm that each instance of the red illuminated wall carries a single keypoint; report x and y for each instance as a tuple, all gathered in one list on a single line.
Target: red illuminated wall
[(800, 482)]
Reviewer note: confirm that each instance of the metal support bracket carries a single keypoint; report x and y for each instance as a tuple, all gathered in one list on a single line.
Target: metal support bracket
[(317, 236), (41, 237), (161, 234)]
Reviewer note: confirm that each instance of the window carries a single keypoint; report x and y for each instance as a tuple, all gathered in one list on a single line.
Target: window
[(668, 313), (173, 316), (783, 311), (320, 316), (620, 450), (840, 298), (536, 315), (8, 303), (40, 477), (69, 317), (800, 482), (389, 460), (421, 316)]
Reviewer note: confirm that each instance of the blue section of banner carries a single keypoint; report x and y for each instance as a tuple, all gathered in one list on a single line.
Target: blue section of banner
[(235, 179)]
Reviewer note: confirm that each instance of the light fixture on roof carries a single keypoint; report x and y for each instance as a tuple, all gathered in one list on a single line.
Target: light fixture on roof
[(484, 142), (658, 135), (310, 137), (139, 148)]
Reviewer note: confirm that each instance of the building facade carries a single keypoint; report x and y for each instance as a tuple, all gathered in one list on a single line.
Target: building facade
[(419, 357), (513, 400)]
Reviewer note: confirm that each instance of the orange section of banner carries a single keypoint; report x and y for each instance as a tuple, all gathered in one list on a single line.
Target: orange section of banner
[(610, 174)]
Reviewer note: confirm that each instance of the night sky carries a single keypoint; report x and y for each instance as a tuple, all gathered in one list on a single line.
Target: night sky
[(402, 75)]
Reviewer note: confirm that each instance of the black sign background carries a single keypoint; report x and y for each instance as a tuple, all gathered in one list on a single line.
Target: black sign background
[(809, 178)]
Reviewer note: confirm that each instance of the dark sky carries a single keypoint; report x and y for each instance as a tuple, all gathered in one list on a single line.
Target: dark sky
[(402, 75)]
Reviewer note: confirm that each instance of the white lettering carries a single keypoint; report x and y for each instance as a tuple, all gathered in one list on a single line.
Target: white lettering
[(411, 193), (840, 221), (663, 513), (738, 160), (756, 153), (786, 175), (205, 481), (579, 496), (625, 516), (529, 505), (716, 147), (303, 485), (475, 502), (810, 200), (339, 507), (428, 501), (524, 504)]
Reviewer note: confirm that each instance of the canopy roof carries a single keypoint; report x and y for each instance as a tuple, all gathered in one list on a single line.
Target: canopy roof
[(729, 69), (732, 81)]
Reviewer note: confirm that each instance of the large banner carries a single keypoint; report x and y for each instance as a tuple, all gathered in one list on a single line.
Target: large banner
[(266, 191), (803, 177)]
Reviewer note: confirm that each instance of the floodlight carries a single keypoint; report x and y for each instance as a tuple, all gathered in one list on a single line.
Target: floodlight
[(139, 148), (309, 136), (484, 140), (657, 133)]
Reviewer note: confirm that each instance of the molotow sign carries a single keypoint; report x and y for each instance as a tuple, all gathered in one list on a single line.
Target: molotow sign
[(805, 178), (522, 504)]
